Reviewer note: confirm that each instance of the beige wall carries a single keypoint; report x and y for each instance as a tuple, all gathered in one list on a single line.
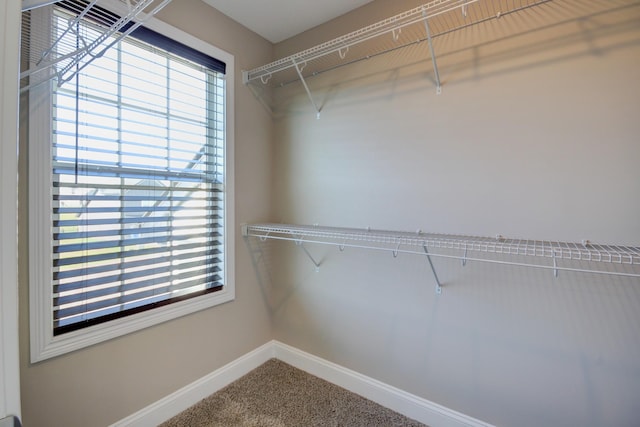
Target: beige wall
[(107, 382), (535, 135)]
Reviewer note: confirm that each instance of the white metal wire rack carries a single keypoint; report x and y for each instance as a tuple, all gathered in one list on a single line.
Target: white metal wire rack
[(48, 51), (341, 44), (598, 258), (423, 23)]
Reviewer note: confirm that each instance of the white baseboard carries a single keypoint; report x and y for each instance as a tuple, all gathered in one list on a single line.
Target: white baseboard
[(388, 396), (191, 394), (393, 398)]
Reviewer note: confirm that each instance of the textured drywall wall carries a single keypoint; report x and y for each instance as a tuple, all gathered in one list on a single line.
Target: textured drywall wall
[(535, 135)]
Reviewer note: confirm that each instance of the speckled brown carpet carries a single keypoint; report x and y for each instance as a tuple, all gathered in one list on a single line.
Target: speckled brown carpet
[(279, 395)]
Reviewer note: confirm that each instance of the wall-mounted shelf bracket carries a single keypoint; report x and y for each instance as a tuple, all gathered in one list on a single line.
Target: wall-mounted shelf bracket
[(306, 87), (438, 286), (301, 245), (433, 55), (246, 232)]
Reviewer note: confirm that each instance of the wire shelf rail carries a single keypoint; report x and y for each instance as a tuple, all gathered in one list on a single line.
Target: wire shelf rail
[(341, 44), (520, 252), (438, 13), (422, 23)]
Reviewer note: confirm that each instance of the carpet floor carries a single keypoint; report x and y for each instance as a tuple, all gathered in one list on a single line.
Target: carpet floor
[(279, 395)]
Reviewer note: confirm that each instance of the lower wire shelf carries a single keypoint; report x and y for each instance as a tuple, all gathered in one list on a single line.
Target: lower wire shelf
[(552, 255)]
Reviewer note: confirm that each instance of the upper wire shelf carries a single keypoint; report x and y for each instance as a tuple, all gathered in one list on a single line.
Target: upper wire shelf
[(437, 17), (60, 51), (594, 256)]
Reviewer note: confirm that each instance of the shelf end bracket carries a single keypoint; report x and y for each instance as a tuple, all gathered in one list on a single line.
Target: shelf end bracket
[(433, 55), (306, 87), (438, 285), (301, 244)]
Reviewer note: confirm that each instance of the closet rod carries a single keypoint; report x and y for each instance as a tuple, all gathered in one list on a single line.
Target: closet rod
[(470, 248)]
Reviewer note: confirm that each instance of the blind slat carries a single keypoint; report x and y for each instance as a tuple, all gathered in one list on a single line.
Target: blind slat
[(157, 174), (57, 186), (124, 221), (85, 320), (120, 300), (164, 271), (131, 242), (166, 231), (61, 262), (95, 268)]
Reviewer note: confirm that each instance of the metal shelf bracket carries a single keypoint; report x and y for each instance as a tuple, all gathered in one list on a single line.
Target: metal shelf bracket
[(395, 33), (301, 245), (435, 275), (433, 55), (306, 87)]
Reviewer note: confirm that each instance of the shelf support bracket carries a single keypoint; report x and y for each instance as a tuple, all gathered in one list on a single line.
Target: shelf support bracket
[(438, 286), (433, 55), (317, 264), (306, 87)]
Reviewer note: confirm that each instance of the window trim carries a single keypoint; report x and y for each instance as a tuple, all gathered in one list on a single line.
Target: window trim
[(44, 344)]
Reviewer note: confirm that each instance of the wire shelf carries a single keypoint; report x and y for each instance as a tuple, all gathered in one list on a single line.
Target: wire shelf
[(443, 16), (61, 51), (530, 253)]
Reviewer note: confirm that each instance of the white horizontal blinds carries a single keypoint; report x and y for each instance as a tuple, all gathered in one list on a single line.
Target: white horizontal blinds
[(138, 189)]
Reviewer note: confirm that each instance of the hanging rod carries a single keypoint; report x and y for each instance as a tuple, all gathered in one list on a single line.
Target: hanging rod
[(342, 44), (470, 248)]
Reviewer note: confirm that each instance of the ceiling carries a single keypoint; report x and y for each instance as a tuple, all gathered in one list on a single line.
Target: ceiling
[(277, 20)]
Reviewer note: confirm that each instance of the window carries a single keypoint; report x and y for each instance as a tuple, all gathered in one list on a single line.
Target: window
[(130, 191)]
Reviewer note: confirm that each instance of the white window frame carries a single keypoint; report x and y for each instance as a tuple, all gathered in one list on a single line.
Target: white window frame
[(44, 344), (9, 356)]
